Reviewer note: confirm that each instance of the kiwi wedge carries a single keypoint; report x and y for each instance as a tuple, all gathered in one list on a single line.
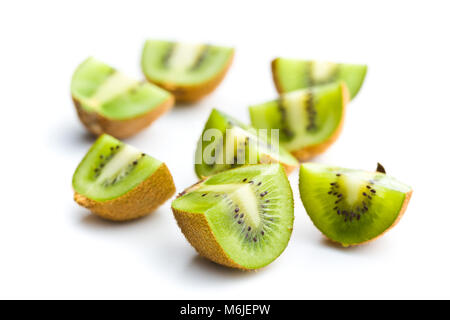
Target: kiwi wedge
[(108, 101), (309, 119), (349, 206), (189, 71), (293, 74), (118, 182), (227, 143), (240, 218)]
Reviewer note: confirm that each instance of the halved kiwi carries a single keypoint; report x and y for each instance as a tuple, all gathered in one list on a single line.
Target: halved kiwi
[(309, 120), (240, 218), (107, 101), (227, 143), (352, 206), (118, 182), (293, 74), (189, 71)]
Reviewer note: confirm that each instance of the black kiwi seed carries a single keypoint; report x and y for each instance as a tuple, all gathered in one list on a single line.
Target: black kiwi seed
[(373, 191), (263, 194), (239, 222), (262, 232), (259, 183), (338, 174), (251, 182), (267, 201), (332, 183), (236, 215), (236, 210), (241, 216), (245, 179), (101, 156), (135, 162), (254, 239), (249, 228), (364, 194), (203, 194), (330, 192)]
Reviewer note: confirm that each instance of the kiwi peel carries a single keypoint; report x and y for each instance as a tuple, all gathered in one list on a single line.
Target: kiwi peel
[(310, 120), (188, 71), (233, 144), (109, 102), (352, 207), (117, 182), (240, 218), (294, 74)]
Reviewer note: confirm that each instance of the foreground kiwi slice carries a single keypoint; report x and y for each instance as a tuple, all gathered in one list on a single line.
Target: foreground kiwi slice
[(240, 218), (351, 206), (309, 120), (107, 101), (118, 182), (189, 71), (293, 74), (227, 143)]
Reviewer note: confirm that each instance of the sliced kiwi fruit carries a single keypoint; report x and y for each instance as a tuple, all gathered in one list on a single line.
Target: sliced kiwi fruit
[(108, 101), (293, 74), (309, 120), (189, 71), (118, 182), (240, 218), (349, 206), (227, 143)]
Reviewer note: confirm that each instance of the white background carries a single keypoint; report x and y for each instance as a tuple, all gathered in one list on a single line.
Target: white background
[(52, 248)]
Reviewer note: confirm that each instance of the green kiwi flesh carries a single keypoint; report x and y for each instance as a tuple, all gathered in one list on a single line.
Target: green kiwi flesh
[(102, 89), (351, 206), (305, 117), (249, 210), (111, 168), (293, 74), (215, 153), (182, 63)]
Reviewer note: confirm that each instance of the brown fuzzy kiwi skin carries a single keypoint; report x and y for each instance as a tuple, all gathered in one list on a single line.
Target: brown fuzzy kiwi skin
[(198, 233), (400, 215), (309, 152), (193, 93), (277, 83), (98, 124), (136, 203)]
